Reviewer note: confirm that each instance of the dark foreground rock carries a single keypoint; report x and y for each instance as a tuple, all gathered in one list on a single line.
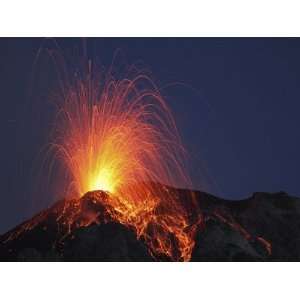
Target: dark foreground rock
[(264, 227)]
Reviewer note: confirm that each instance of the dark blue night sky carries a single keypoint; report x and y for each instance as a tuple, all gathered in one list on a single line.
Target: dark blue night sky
[(236, 103)]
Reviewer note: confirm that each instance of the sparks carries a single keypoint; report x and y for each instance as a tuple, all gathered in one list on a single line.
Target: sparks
[(118, 135)]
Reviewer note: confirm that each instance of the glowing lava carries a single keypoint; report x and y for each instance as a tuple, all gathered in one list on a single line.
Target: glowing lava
[(102, 180), (118, 135)]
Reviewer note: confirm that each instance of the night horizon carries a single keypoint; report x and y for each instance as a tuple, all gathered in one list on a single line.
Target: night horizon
[(111, 157), (150, 150), (233, 101)]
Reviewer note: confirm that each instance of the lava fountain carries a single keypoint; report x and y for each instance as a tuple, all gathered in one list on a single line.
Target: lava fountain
[(119, 136)]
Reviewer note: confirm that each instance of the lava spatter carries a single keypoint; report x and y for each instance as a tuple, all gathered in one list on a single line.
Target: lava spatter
[(119, 136)]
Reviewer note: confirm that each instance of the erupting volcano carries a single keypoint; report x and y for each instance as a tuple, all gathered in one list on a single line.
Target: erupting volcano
[(119, 136), (115, 143)]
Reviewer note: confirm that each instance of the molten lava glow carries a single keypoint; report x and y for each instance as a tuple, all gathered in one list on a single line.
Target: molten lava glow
[(102, 180), (118, 135)]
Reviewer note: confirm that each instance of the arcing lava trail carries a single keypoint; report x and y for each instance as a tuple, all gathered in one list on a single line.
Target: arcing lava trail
[(116, 150), (118, 135)]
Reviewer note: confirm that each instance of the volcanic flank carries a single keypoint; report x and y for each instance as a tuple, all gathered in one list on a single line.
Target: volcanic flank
[(264, 227)]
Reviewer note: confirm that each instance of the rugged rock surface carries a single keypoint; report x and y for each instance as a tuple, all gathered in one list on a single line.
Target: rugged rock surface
[(264, 227)]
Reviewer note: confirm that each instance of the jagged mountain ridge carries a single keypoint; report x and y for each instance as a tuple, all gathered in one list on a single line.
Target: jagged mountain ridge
[(264, 227)]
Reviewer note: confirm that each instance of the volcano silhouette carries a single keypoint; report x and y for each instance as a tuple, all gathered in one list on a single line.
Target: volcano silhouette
[(264, 227)]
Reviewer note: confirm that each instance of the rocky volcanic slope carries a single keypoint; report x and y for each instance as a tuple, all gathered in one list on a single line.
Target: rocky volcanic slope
[(264, 227)]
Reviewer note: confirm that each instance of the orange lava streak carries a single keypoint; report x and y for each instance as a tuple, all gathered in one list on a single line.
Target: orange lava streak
[(119, 136)]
